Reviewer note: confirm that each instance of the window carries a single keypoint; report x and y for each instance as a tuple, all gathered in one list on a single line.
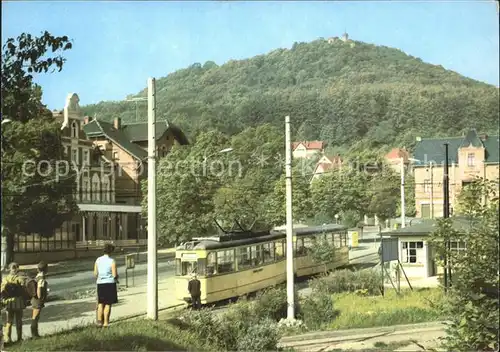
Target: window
[(471, 159), (74, 129), (300, 249), (74, 155), (257, 258), (427, 186), (244, 261), (105, 224), (106, 189), (413, 252), (458, 246), (268, 252), (189, 268), (96, 190), (178, 267), (211, 264), (309, 243), (279, 250), (85, 188), (337, 240), (115, 155), (225, 261), (86, 157)]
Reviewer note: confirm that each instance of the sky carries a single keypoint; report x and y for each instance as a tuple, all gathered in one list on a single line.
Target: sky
[(117, 45)]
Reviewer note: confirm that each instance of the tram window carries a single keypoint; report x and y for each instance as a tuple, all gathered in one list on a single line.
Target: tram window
[(344, 238), (201, 269), (178, 267), (309, 242), (211, 264), (225, 261), (188, 268), (337, 240), (244, 261), (329, 238), (279, 250), (257, 255), (268, 252), (299, 247)]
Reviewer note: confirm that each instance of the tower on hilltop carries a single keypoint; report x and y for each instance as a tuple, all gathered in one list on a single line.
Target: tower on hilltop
[(345, 37)]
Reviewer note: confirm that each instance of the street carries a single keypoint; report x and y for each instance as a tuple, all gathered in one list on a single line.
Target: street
[(86, 281)]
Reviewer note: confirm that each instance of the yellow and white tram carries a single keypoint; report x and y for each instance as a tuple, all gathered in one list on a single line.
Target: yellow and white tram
[(238, 263)]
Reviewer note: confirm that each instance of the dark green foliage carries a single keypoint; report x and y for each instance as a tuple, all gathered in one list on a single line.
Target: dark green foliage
[(473, 298), (271, 304), (334, 92), (317, 309)]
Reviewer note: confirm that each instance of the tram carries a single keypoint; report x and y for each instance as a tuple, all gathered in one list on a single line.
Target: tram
[(237, 263)]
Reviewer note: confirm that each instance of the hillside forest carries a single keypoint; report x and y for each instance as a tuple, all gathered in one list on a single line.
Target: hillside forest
[(349, 94)]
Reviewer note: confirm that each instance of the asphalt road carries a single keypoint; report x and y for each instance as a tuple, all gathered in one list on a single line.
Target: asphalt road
[(85, 280)]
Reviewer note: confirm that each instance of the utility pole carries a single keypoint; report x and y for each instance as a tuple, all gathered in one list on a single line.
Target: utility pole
[(446, 214), (152, 289), (289, 224), (403, 216), (432, 190)]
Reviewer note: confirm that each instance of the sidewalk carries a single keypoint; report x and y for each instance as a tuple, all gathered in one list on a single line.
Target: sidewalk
[(412, 337), (77, 265), (67, 315)]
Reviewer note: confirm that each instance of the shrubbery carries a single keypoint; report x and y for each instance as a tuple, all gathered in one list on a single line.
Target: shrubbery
[(317, 309), (348, 281)]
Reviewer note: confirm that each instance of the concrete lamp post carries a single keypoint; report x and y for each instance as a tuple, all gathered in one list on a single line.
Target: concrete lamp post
[(227, 150), (403, 205)]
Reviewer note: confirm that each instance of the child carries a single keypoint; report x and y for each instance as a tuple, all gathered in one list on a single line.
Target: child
[(13, 301), (38, 301)]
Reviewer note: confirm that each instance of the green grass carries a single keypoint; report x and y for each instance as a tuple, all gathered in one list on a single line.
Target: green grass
[(138, 335), (372, 311)]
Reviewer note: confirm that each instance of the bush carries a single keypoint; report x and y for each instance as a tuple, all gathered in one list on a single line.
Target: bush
[(317, 309), (271, 304), (349, 281), (260, 337)]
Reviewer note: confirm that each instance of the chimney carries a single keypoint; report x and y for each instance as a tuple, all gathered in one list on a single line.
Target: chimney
[(117, 123), (484, 136), (86, 120)]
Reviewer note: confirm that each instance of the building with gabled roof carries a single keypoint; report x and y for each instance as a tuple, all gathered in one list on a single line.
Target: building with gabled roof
[(307, 149), (126, 145), (326, 164), (111, 162), (469, 156)]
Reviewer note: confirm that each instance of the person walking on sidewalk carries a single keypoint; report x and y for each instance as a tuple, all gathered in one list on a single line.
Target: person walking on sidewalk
[(13, 299), (39, 297), (107, 278), (194, 288)]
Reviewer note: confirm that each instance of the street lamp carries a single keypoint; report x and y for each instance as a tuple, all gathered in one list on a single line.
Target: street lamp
[(226, 150), (336, 218), (403, 215)]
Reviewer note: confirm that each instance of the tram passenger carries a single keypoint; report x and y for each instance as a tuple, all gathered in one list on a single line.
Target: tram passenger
[(194, 288)]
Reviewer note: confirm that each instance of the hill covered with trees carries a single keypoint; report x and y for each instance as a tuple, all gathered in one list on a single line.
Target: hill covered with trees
[(350, 94)]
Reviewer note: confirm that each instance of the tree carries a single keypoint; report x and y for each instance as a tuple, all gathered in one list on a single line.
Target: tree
[(186, 185), (33, 201), (384, 194), (340, 191), (301, 199), (322, 252), (472, 305)]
